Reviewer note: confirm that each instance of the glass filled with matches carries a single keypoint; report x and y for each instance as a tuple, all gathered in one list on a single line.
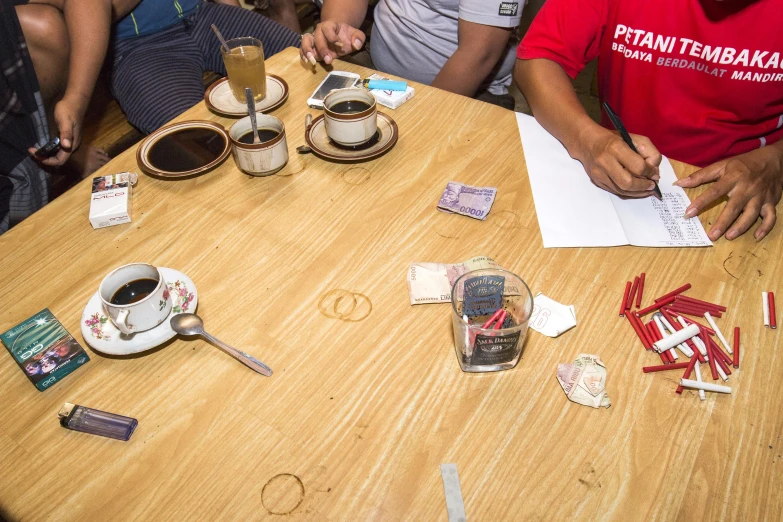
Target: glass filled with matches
[(490, 310)]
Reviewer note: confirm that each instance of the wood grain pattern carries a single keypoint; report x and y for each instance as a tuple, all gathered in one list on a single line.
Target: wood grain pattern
[(364, 412)]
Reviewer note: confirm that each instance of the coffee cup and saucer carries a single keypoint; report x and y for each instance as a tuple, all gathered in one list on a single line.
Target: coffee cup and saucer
[(131, 310), (351, 128)]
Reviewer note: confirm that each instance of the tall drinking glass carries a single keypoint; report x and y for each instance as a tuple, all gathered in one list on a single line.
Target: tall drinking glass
[(478, 295), (245, 67)]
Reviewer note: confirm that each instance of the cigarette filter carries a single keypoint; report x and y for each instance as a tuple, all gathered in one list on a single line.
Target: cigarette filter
[(676, 338), (723, 340), (696, 385), (88, 420), (702, 395)]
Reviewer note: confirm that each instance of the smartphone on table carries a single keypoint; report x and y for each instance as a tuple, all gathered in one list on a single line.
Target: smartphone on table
[(334, 80)]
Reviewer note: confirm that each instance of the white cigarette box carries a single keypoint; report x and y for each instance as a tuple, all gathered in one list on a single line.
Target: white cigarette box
[(391, 99), (110, 202)]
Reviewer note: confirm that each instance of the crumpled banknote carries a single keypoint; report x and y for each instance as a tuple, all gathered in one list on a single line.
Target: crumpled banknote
[(584, 381), (432, 282), (468, 201), (550, 317)]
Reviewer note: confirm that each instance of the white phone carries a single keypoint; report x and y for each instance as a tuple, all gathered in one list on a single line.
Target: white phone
[(334, 80)]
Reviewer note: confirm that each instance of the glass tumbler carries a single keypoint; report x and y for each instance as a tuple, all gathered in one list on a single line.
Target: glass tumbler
[(476, 298), (245, 67)]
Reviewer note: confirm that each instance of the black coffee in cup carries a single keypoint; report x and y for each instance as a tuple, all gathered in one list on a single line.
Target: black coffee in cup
[(349, 107), (263, 135), (134, 291)]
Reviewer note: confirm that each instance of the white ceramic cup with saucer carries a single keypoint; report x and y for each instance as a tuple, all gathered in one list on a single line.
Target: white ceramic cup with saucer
[(259, 159), (344, 124), (141, 312)]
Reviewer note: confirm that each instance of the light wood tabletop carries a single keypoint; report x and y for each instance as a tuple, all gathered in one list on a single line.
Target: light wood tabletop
[(359, 415)]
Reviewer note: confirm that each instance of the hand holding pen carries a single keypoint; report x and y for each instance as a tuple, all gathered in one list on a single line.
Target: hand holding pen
[(612, 165)]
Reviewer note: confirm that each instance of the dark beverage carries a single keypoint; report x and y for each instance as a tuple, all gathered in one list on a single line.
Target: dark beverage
[(188, 149), (263, 135), (349, 107), (134, 291)]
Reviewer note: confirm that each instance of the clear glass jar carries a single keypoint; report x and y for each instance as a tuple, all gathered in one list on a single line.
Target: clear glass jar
[(475, 297)]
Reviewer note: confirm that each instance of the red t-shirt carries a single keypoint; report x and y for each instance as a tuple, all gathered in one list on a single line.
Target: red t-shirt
[(702, 79)]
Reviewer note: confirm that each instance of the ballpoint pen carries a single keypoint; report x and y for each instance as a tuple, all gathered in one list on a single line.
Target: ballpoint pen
[(615, 119)]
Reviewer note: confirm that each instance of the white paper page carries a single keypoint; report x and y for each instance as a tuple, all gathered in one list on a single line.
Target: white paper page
[(653, 223), (572, 212)]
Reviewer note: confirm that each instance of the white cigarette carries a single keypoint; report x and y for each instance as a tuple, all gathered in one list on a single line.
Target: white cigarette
[(659, 324), (714, 326), (677, 338), (721, 372), (702, 347), (684, 348), (696, 339), (697, 369), (696, 385), (765, 307)]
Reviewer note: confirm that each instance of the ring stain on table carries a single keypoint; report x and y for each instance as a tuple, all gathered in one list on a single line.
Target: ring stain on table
[(505, 219), (356, 175), (345, 305), (282, 494)]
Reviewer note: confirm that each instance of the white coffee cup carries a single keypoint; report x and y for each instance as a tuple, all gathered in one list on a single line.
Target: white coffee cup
[(141, 315), (262, 159), (350, 129)]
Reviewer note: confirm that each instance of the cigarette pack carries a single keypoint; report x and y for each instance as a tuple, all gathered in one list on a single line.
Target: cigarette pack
[(391, 99), (110, 202), (44, 349)]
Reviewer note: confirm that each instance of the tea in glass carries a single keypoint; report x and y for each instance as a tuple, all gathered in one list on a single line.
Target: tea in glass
[(245, 67)]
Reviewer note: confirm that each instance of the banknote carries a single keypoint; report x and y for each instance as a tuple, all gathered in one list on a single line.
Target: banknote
[(584, 381), (468, 201), (432, 282)]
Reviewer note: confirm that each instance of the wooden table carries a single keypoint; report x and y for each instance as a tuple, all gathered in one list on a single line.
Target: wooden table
[(359, 415)]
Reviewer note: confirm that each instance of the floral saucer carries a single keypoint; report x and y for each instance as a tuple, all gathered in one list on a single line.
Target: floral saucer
[(101, 334)]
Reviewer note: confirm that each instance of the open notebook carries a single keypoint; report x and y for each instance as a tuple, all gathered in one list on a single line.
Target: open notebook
[(573, 212)]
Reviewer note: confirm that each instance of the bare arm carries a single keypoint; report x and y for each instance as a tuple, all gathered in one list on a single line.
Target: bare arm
[(609, 162), (478, 50), (338, 33), (88, 23)]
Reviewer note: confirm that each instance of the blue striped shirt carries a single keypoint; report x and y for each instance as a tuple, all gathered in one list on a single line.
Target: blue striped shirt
[(152, 16)]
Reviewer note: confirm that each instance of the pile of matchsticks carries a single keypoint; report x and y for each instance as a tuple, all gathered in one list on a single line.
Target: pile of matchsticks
[(671, 330)]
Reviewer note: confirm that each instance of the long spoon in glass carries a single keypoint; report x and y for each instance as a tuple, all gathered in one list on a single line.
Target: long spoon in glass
[(251, 110)]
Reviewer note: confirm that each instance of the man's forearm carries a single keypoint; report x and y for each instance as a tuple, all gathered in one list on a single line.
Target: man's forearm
[(351, 12), (89, 24), (551, 96), (463, 73)]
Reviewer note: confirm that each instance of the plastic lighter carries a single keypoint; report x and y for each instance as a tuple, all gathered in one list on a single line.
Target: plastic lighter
[(385, 85), (88, 420)]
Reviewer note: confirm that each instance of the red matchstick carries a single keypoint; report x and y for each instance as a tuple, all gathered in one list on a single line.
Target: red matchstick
[(736, 346), (674, 292), (625, 298), (641, 289)]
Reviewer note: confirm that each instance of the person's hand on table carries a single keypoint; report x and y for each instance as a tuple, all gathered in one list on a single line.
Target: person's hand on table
[(753, 182), (613, 166), (330, 40), (68, 117)]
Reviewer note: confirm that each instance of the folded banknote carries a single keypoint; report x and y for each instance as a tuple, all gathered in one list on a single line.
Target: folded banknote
[(468, 201)]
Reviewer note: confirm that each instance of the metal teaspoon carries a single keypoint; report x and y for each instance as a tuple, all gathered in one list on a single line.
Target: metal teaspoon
[(191, 324)]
